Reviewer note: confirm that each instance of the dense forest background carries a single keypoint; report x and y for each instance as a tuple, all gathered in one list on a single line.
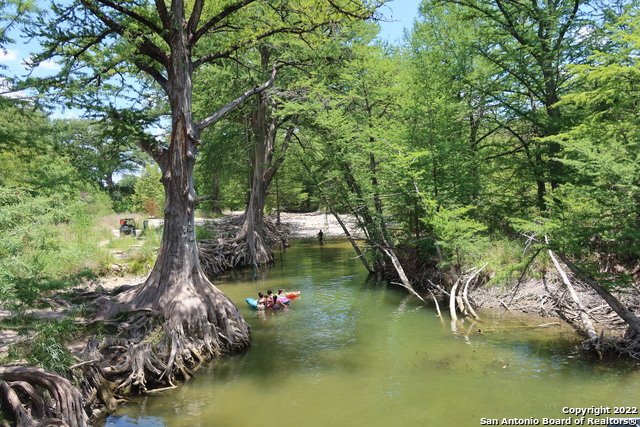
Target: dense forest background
[(494, 123)]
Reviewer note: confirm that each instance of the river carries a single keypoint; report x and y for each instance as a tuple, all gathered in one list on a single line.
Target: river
[(350, 352)]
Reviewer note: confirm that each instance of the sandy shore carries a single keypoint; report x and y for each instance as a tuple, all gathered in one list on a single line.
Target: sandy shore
[(300, 225), (307, 225)]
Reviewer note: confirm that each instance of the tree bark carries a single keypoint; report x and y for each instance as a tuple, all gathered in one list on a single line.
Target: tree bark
[(198, 320)]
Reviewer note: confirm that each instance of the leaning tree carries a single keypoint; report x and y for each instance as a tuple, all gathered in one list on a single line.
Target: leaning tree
[(176, 318)]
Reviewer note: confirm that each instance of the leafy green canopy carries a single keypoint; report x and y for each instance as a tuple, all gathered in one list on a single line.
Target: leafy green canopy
[(598, 211)]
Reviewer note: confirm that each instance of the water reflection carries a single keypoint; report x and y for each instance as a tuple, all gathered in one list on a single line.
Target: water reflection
[(354, 353)]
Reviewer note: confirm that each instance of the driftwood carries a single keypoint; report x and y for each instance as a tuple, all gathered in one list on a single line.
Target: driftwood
[(462, 298), (435, 300), (452, 301), (465, 294), (587, 324), (627, 315), (630, 345)]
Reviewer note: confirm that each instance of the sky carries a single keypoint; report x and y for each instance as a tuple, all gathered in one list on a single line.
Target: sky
[(401, 13)]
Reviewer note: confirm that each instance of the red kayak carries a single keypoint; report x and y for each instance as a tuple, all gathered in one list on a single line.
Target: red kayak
[(289, 295)]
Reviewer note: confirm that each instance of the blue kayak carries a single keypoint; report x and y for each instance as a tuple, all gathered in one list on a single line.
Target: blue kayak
[(253, 303)]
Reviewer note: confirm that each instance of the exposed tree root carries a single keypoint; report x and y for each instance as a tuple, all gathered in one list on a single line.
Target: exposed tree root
[(218, 255), (162, 343), (160, 340), (33, 396), (163, 330)]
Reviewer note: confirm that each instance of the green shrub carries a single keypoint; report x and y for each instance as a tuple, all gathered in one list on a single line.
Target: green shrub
[(458, 235), (48, 242), (47, 349)]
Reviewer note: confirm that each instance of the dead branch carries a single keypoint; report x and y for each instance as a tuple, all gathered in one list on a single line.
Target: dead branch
[(353, 242), (630, 319), (465, 296), (403, 277), (584, 317), (452, 301)]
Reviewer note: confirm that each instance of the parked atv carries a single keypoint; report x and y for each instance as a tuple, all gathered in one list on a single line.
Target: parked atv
[(127, 227)]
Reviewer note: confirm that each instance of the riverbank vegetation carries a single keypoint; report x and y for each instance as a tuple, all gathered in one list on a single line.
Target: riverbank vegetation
[(497, 146)]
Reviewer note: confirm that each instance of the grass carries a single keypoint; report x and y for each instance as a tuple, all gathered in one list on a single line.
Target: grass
[(20, 322), (46, 347), (61, 256), (140, 252), (506, 259), (39, 258), (205, 233)]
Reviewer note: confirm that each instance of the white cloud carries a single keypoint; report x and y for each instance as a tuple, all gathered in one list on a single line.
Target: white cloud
[(66, 114), (49, 65), (6, 91), (9, 55)]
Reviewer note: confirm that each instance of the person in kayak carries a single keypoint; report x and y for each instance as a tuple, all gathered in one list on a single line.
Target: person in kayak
[(273, 302), (262, 301)]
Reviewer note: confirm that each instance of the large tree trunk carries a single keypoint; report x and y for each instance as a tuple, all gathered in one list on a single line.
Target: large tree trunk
[(263, 137), (264, 130), (191, 319)]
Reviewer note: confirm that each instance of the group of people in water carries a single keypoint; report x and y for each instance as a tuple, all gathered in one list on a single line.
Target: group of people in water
[(271, 300)]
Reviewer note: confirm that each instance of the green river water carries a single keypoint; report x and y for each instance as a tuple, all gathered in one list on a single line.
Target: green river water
[(353, 353)]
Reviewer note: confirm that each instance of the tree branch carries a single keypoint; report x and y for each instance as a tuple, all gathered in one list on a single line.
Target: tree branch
[(227, 53), (194, 19), (224, 110), (153, 73), (131, 14), (146, 47), (216, 19)]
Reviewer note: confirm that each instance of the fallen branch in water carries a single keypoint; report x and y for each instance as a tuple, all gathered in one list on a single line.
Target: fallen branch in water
[(452, 301), (584, 317), (465, 296), (403, 277), (355, 246), (436, 303), (462, 298)]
